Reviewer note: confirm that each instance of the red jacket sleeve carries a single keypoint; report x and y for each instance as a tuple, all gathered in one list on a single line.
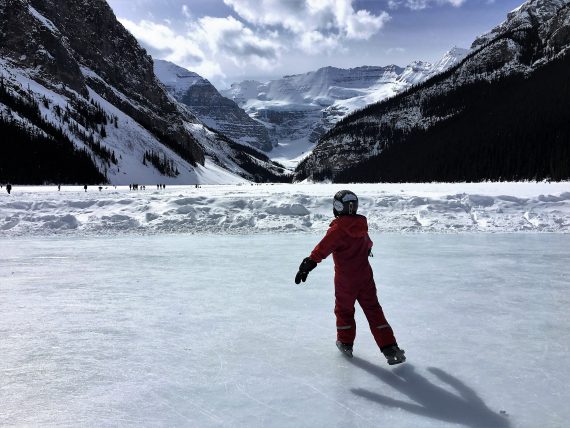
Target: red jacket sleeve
[(326, 246)]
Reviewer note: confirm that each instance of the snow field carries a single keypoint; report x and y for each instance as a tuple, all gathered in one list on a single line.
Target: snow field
[(210, 330), (248, 208)]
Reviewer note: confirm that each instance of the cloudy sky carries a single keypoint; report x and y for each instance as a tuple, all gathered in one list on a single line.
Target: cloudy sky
[(232, 40)]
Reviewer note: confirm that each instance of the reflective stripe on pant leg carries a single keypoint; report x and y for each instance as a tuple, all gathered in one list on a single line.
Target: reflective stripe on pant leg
[(345, 297), (346, 334), (379, 326)]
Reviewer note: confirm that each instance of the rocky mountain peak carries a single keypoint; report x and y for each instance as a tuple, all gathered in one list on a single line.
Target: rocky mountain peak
[(533, 40), (70, 69), (81, 44), (176, 79), (216, 111), (41, 47), (533, 14), (451, 57), (101, 44)]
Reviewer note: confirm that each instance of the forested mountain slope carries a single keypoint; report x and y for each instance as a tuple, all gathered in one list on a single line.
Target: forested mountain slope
[(498, 114), (80, 103)]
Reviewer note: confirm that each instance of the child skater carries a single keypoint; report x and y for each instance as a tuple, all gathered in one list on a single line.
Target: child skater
[(348, 241)]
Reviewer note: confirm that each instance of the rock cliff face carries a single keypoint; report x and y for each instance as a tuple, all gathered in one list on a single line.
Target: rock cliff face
[(216, 111), (534, 34), (83, 73), (32, 41), (80, 43)]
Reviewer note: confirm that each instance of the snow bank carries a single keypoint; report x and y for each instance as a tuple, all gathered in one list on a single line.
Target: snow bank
[(246, 208)]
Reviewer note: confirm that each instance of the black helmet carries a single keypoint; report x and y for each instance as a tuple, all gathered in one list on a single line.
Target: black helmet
[(345, 202)]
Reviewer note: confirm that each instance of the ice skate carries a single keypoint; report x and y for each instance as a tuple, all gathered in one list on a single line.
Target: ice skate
[(394, 355), (344, 348)]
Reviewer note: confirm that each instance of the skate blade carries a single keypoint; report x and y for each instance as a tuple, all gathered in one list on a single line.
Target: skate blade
[(396, 360), (345, 352)]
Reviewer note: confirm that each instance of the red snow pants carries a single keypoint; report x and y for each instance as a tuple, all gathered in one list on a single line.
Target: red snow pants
[(347, 293)]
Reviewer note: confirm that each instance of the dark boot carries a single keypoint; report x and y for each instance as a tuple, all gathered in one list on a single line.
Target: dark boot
[(393, 354)]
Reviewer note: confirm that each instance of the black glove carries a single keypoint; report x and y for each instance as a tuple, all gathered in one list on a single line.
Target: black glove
[(306, 266)]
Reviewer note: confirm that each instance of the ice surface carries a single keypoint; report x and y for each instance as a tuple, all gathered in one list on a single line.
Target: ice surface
[(248, 208), (210, 330)]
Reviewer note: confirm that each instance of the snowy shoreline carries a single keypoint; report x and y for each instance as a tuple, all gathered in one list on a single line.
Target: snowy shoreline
[(283, 208)]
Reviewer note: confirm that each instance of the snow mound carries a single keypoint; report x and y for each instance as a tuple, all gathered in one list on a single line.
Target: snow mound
[(288, 209), (244, 209)]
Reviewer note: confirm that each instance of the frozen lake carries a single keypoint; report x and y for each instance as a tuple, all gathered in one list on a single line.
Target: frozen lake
[(210, 330)]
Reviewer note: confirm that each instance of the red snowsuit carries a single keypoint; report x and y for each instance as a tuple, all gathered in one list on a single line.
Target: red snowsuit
[(348, 241)]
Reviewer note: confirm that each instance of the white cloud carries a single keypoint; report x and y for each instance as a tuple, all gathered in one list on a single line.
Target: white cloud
[(314, 43), (232, 38), (164, 43), (160, 37), (186, 11), (258, 36), (422, 4), (207, 43), (363, 25), (397, 50), (334, 20)]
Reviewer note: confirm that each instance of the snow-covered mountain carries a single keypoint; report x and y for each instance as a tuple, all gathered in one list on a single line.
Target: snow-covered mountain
[(78, 93), (214, 110), (501, 67), (548, 17), (299, 109)]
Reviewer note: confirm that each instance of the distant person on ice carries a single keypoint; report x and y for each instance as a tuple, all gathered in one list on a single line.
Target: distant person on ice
[(8, 188), (348, 241)]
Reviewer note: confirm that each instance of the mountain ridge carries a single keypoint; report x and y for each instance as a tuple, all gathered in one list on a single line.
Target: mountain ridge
[(513, 50), (298, 109), (77, 72), (216, 111)]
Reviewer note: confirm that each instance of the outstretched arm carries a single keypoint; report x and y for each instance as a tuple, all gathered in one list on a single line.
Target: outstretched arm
[(321, 251), (326, 246)]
